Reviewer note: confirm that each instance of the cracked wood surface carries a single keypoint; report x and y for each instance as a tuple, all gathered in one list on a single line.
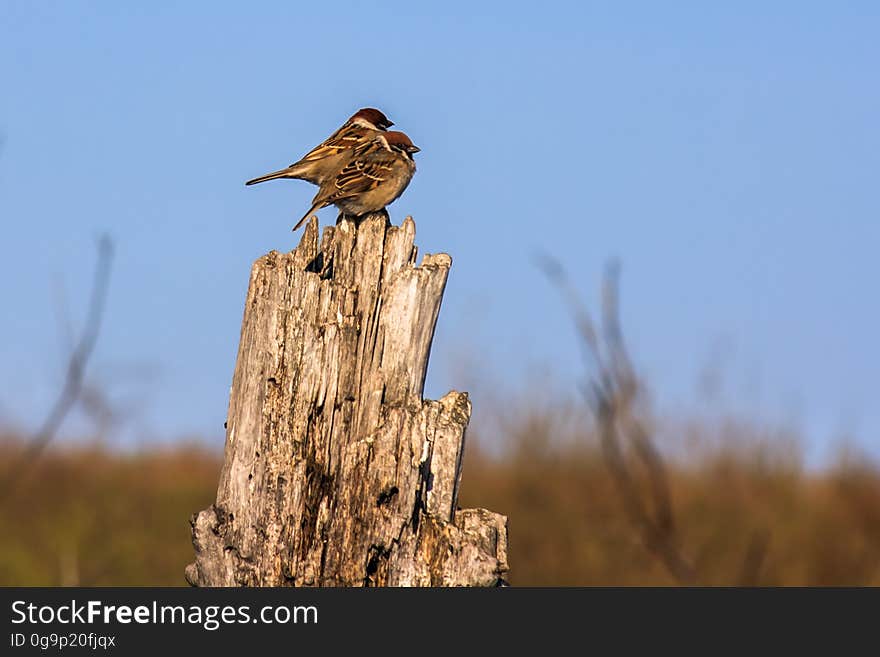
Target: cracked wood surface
[(336, 472)]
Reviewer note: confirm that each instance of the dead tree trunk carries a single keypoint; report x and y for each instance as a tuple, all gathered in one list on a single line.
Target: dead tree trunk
[(336, 471)]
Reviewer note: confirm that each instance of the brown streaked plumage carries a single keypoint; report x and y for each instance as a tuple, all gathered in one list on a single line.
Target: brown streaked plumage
[(329, 156), (375, 176)]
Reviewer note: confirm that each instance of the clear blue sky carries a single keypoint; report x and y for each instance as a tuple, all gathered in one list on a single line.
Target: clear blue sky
[(729, 156)]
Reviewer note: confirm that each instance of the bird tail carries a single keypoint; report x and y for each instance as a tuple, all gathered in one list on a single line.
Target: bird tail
[(312, 210), (289, 172)]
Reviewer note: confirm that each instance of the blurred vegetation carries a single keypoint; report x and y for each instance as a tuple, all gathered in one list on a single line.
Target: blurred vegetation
[(730, 496), (93, 517), (89, 515)]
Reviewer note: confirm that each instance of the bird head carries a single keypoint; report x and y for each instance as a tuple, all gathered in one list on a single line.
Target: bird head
[(400, 142), (370, 117)]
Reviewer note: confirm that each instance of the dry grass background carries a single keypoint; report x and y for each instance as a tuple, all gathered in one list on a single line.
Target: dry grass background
[(91, 516), (568, 526)]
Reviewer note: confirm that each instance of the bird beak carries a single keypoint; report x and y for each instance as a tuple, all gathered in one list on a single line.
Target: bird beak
[(389, 124), (414, 149)]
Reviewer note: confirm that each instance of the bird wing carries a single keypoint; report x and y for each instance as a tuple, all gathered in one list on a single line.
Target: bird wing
[(343, 139), (363, 174)]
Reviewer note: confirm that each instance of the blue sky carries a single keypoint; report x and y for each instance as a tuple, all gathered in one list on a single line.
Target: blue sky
[(728, 155)]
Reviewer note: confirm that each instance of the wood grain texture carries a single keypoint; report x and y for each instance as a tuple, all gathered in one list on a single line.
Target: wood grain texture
[(336, 471)]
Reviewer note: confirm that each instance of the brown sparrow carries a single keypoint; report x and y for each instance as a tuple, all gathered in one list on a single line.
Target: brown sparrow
[(327, 158), (376, 174)]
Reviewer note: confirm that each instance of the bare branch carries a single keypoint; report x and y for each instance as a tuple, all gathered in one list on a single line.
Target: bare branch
[(583, 322), (620, 365), (73, 382), (614, 393), (658, 532)]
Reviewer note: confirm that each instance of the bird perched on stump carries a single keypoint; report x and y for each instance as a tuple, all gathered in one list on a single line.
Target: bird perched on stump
[(328, 157), (360, 168), (375, 175)]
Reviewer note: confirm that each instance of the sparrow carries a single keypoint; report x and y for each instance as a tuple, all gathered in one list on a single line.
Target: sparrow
[(375, 175), (328, 157)]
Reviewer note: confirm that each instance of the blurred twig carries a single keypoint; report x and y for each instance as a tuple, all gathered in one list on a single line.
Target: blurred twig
[(612, 394), (73, 381)]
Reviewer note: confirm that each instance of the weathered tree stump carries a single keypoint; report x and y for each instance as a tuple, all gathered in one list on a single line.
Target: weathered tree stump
[(336, 471)]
